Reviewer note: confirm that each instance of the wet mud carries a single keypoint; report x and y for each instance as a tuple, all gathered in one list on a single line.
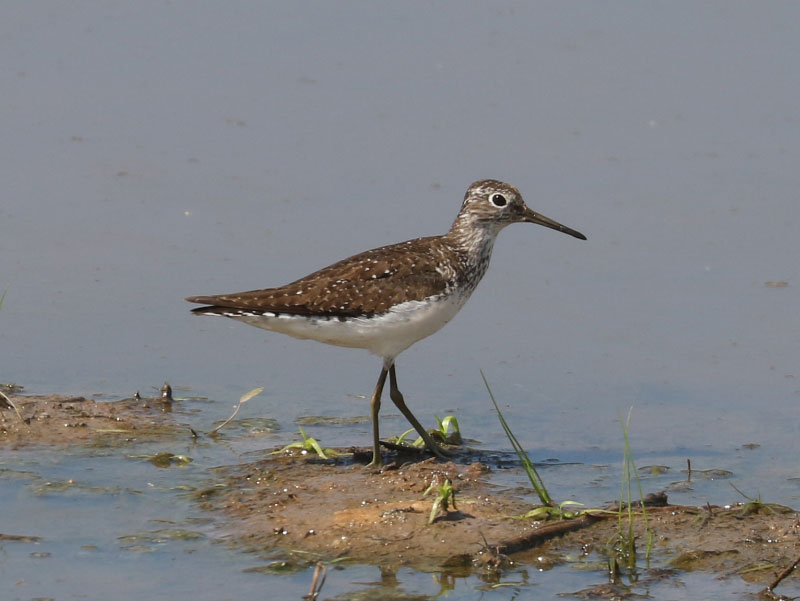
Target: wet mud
[(27, 420), (338, 510), (296, 508)]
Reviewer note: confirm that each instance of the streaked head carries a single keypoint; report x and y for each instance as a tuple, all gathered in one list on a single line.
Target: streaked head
[(495, 204)]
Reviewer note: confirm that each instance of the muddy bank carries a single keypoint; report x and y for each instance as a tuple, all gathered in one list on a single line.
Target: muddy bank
[(326, 510), (339, 509), (298, 508), (754, 543), (65, 420)]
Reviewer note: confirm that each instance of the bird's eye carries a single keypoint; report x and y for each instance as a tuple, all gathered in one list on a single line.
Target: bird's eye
[(498, 200)]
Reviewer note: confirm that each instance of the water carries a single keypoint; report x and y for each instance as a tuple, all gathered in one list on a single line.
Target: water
[(158, 150)]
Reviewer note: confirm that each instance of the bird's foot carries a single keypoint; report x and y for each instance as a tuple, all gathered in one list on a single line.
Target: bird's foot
[(376, 463), (439, 451)]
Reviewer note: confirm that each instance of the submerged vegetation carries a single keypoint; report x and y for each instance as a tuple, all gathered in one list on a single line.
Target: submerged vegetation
[(622, 547)]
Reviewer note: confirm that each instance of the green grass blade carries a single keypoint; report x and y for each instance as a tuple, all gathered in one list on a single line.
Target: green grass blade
[(448, 422), (401, 438), (317, 448), (527, 464), (630, 472)]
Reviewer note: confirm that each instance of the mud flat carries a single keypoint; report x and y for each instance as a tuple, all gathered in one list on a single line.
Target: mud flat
[(334, 510), (66, 420), (297, 508)]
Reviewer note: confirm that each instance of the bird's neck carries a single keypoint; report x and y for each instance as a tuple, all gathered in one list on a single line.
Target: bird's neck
[(473, 235), (473, 240)]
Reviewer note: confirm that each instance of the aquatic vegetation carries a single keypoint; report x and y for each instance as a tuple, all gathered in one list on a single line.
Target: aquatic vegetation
[(545, 512), (164, 459), (445, 496), (757, 505), (245, 397), (527, 464), (442, 433), (308, 445), (622, 547)]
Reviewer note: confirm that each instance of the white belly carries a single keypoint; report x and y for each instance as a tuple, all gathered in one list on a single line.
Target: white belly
[(386, 335)]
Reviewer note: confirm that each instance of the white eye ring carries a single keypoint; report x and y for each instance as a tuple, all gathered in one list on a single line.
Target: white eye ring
[(498, 200)]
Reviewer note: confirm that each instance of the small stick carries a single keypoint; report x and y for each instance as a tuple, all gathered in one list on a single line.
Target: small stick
[(320, 572), (783, 575)]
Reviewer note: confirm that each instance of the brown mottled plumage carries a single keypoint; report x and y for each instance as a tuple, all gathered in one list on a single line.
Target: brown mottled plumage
[(386, 299), (365, 284)]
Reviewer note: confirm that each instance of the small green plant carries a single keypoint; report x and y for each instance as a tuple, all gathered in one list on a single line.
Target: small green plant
[(445, 495), (442, 433), (418, 443), (545, 512), (308, 445), (245, 397), (756, 505), (623, 545), (2, 297)]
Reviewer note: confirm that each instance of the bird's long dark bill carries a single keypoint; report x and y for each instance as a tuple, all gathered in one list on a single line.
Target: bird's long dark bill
[(533, 217)]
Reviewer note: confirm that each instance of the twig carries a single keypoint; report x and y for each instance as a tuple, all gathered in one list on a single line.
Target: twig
[(536, 537), (541, 535), (783, 575), (320, 572)]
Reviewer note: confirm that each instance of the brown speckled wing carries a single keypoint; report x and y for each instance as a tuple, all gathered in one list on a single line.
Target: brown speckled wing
[(365, 284)]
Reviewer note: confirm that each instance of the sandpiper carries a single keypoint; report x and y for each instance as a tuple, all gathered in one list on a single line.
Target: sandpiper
[(386, 299)]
